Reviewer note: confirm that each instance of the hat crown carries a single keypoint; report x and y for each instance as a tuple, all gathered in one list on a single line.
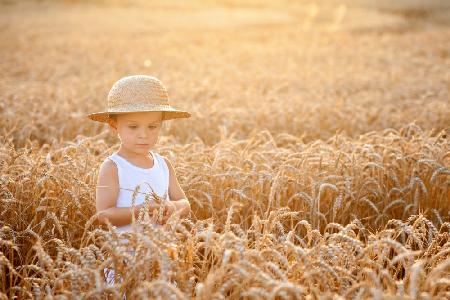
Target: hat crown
[(138, 93), (137, 89)]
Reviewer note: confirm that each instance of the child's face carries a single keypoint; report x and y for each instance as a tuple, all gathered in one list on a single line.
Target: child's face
[(138, 132)]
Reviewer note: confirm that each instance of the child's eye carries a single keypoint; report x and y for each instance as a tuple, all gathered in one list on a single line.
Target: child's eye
[(152, 127), (132, 127)]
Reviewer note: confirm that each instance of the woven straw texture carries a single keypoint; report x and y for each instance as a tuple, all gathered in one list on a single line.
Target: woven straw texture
[(138, 93)]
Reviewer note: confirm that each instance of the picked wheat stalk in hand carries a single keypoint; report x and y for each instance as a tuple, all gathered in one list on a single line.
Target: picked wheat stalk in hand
[(159, 208)]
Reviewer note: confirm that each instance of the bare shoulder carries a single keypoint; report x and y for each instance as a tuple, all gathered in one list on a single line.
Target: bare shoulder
[(108, 171), (107, 185), (168, 163), (175, 190), (108, 166)]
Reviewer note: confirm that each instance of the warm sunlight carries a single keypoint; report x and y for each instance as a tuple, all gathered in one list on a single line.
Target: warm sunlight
[(224, 149)]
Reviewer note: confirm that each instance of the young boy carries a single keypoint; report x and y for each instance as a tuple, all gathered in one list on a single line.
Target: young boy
[(137, 106)]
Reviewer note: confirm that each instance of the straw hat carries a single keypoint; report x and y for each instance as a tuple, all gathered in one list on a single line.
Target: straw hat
[(138, 93)]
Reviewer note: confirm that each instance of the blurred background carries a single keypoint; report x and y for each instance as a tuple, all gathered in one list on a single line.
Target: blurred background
[(330, 115), (298, 67)]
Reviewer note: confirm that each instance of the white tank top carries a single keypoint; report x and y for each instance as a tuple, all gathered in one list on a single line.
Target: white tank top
[(130, 176)]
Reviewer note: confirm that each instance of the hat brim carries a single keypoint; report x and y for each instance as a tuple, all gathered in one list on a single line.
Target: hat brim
[(170, 112)]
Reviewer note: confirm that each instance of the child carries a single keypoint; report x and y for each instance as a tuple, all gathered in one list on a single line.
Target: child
[(137, 106)]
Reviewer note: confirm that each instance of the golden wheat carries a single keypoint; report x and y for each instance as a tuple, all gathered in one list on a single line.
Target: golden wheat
[(317, 162)]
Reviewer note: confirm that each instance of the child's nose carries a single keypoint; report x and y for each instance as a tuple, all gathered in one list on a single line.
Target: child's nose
[(143, 133)]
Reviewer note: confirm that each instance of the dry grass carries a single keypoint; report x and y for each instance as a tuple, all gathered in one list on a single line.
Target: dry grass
[(317, 162)]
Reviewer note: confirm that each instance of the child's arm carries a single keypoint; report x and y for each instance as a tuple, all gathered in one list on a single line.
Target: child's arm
[(176, 193), (106, 197)]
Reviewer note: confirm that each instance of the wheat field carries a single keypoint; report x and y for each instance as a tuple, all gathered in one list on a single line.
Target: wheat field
[(317, 160)]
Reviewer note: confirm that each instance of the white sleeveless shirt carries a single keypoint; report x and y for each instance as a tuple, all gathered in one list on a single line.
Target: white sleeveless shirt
[(130, 176)]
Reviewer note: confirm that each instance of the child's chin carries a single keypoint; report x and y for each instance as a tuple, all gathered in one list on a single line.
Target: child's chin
[(139, 150), (142, 150)]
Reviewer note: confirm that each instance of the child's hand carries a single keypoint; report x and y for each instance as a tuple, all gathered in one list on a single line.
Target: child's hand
[(169, 209)]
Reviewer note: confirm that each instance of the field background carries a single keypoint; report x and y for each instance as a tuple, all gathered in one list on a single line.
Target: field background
[(318, 147)]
